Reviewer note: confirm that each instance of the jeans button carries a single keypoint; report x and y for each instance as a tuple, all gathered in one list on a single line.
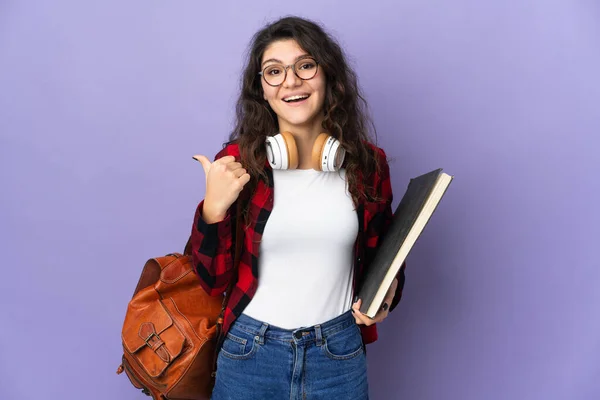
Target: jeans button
[(298, 335)]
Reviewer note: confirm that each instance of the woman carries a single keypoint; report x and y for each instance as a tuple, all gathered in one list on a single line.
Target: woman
[(295, 333)]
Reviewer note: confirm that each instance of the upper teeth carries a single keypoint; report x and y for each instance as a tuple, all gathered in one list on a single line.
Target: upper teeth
[(295, 97)]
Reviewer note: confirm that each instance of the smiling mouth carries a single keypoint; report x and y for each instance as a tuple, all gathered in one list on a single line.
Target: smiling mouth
[(296, 99)]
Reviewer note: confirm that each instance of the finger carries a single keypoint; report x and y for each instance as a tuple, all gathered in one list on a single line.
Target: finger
[(359, 317), (225, 160), (387, 302), (380, 316), (362, 319), (392, 289), (386, 305), (389, 298), (239, 172), (204, 161), (234, 166), (244, 179), (383, 312), (355, 314)]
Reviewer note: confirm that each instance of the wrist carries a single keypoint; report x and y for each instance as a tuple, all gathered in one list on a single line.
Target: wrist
[(211, 216)]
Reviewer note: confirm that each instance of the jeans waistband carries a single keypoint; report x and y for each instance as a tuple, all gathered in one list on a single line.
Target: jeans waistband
[(305, 334)]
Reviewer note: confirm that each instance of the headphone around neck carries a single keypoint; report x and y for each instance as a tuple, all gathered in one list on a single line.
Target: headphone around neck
[(327, 153)]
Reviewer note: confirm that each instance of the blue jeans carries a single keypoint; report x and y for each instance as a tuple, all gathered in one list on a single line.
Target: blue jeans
[(263, 362)]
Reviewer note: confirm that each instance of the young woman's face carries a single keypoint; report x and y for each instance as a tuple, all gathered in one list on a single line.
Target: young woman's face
[(292, 110)]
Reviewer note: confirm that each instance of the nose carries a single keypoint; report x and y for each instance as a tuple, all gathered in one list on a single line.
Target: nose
[(291, 79)]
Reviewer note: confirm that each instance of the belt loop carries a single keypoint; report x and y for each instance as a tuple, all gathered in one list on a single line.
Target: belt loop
[(319, 337), (261, 333)]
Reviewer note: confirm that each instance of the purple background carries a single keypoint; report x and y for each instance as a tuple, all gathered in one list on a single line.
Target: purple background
[(103, 105)]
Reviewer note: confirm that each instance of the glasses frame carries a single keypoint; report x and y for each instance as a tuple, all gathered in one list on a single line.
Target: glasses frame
[(293, 67)]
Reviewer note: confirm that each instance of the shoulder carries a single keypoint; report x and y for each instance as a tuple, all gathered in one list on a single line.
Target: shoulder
[(380, 157), (377, 152), (229, 149)]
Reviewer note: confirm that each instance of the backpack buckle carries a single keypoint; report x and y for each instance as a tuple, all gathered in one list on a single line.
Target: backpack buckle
[(153, 340)]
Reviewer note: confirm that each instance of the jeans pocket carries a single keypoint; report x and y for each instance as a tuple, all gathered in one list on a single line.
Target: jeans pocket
[(239, 345), (345, 344)]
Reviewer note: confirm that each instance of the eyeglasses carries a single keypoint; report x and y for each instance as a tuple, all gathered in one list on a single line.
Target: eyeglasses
[(276, 74)]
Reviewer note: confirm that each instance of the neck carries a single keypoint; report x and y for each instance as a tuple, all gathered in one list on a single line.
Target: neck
[(305, 136)]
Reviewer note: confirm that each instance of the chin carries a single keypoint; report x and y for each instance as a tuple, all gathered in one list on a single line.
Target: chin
[(299, 119)]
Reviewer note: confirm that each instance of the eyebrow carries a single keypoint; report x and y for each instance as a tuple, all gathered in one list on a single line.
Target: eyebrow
[(281, 62)]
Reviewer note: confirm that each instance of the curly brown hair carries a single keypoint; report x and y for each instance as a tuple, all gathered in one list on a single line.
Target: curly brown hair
[(346, 112)]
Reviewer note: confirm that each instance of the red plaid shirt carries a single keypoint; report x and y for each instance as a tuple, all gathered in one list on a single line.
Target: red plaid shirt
[(213, 244)]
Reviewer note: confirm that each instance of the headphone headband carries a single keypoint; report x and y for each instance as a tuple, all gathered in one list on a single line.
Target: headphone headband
[(282, 153)]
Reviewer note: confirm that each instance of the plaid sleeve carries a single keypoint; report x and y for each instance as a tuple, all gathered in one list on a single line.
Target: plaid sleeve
[(381, 221), (211, 252), (211, 248)]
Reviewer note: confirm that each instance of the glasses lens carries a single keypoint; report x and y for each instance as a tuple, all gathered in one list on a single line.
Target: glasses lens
[(274, 74), (306, 68)]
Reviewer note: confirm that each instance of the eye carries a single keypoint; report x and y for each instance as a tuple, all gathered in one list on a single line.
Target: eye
[(274, 70), (307, 65)]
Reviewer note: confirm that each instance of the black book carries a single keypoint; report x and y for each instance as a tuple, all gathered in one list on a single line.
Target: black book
[(420, 200)]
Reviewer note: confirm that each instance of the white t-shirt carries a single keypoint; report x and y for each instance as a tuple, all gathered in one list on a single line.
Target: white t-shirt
[(305, 267)]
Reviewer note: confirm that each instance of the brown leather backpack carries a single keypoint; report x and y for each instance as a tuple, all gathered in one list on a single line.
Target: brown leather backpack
[(172, 330)]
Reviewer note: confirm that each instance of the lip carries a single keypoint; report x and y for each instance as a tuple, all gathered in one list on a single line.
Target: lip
[(296, 103), (295, 94)]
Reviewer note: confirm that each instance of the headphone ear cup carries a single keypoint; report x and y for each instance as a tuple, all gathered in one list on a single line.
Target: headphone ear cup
[(291, 150), (282, 152), (327, 154), (317, 151)]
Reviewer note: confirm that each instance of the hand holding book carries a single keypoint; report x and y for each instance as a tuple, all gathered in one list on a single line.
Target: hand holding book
[(384, 310), (416, 207)]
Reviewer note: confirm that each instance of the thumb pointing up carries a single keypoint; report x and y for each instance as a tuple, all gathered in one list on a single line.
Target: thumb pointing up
[(225, 179), (205, 163)]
